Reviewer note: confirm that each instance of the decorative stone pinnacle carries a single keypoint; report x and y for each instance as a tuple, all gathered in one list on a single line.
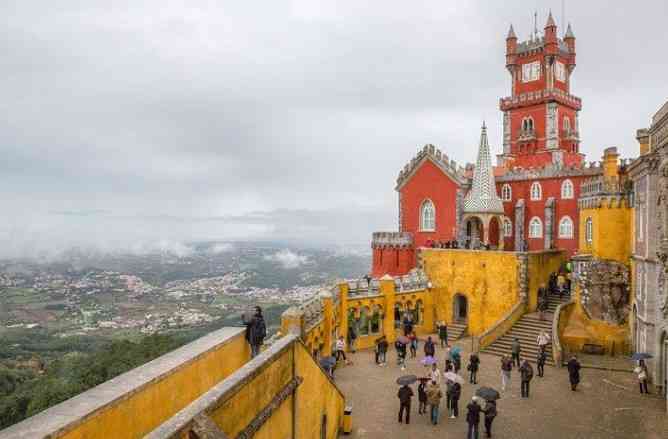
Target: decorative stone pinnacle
[(482, 198)]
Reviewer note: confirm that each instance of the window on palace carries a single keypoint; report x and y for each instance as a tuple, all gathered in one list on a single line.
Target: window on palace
[(589, 230), (560, 71), (531, 71), (567, 189), (364, 321), (536, 191), (419, 312), (535, 228), (506, 192), (527, 124), (567, 125), (507, 228), (566, 228), (427, 216)]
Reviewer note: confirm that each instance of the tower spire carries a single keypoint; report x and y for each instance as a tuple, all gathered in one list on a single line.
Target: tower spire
[(482, 197), (511, 33), (569, 32), (550, 20)]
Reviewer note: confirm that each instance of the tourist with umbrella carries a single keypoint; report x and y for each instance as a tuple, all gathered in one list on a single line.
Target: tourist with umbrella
[(405, 395), (428, 361), (574, 372), (456, 358), (434, 396), (641, 370)]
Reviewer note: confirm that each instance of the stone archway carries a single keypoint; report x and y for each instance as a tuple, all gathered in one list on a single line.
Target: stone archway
[(475, 232), (460, 308)]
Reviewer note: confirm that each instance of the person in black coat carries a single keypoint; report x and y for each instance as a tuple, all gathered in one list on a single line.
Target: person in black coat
[(443, 334), (574, 372), (473, 419), (256, 331), (429, 347), (540, 363), (405, 394), (455, 394), (422, 396), (526, 375), (474, 364), (490, 414)]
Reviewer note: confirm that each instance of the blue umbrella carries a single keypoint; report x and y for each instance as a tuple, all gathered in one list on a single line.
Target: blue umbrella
[(641, 356), (327, 362)]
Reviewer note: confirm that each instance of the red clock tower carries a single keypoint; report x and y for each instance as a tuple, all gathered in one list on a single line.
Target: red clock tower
[(540, 118)]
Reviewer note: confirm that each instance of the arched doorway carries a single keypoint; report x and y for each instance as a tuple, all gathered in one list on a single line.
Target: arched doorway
[(474, 232), (494, 233), (460, 308)]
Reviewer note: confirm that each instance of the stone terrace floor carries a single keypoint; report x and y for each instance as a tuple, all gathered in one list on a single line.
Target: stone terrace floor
[(607, 405)]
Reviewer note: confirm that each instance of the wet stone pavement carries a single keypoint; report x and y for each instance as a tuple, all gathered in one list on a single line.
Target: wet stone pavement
[(607, 405)]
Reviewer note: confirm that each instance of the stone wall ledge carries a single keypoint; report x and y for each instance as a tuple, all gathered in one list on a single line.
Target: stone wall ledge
[(221, 392), (65, 416)]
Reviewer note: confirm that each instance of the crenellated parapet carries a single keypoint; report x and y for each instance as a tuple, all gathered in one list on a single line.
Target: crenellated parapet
[(539, 97), (392, 240), (551, 171), (605, 192), (440, 159)]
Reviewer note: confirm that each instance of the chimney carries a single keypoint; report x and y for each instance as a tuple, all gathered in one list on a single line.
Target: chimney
[(642, 135), (610, 167)]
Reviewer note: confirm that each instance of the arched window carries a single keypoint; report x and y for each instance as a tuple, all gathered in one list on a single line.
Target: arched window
[(535, 228), (567, 189), (376, 319), (536, 191), (427, 217), (364, 321), (506, 192), (566, 228), (589, 230), (507, 228), (527, 124), (419, 312), (567, 125)]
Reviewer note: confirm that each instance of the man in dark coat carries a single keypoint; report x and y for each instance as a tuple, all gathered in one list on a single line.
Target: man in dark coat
[(429, 347), (443, 334), (526, 375), (540, 362), (256, 331), (574, 372), (474, 364), (405, 394), (473, 419), (490, 414), (515, 349)]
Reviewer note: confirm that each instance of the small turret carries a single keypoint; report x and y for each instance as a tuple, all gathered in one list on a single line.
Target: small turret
[(569, 39), (511, 48), (551, 43), (610, 160), (642, 135)]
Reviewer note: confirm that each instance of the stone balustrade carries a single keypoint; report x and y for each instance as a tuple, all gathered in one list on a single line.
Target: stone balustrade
[(391, 239)]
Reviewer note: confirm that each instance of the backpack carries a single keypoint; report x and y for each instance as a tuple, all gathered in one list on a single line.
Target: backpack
[(529, 372)]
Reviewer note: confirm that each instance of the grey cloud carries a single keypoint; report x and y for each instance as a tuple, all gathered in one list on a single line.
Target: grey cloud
[(289, 118)]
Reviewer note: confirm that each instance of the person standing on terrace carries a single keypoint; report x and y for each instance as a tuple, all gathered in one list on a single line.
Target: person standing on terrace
[(256, 331)]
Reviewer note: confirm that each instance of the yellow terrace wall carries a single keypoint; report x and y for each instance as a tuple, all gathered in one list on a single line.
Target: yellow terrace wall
[(239, 401), (488, 279), (136, 402), (611, 238), (576, 329)]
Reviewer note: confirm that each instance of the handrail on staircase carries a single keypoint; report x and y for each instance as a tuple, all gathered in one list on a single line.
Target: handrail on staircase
[(557, 350), (502, 326)]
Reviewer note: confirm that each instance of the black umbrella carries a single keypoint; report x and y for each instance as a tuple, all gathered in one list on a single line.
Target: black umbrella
[(488, 394), (327, 362), (641, 356), (406, 380)]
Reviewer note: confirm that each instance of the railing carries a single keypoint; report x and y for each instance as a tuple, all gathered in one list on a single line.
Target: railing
[(527, 135), (557, 350), (601, 186), (363, 287), (415, 280), (502, 326)]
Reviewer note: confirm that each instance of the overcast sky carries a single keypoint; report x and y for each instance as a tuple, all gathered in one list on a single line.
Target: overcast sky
[(126, 122)]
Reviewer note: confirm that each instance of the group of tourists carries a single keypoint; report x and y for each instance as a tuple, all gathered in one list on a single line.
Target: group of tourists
[(438, 385)]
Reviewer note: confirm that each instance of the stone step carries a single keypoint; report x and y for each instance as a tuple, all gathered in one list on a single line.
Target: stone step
[(499, 353)]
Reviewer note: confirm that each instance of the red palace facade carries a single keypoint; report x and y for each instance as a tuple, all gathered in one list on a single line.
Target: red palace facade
[(537, 177)]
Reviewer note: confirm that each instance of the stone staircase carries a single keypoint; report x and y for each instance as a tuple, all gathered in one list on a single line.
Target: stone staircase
[(526, 330), (455, 331)]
